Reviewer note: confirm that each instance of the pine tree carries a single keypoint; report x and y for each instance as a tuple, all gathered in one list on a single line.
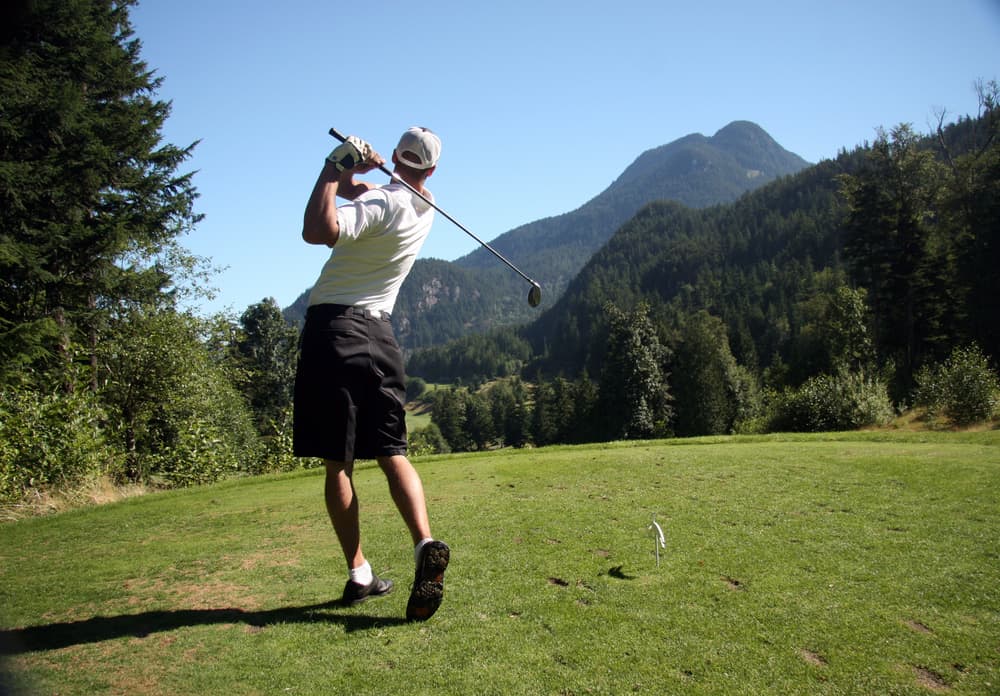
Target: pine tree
[(896, 248), (266, 350), (90, 201), (634, 399), (703, 365)]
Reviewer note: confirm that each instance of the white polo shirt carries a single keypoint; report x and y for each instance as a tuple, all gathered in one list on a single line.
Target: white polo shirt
[(381, 233)]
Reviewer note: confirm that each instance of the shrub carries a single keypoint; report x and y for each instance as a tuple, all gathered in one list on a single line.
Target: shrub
[(842, 401), (49, 440), (427, 440), (963, 388), (415, 388)]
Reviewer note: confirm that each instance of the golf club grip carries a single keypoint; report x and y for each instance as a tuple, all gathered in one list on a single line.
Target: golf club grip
[(343, 138)]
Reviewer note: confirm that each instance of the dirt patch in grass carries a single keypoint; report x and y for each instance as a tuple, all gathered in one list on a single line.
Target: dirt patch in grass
[(929, 679), (204, 594), (734, 584), (813, 658), (917, 626), (270, 559)]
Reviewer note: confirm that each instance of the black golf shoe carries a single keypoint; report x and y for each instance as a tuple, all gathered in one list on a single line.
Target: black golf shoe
[(356, 593), (428, 584)]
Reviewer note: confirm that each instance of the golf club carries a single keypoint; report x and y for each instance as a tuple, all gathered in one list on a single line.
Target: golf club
[(534, 294)]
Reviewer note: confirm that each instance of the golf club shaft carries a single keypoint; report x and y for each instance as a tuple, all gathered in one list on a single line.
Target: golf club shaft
[(336, 134)]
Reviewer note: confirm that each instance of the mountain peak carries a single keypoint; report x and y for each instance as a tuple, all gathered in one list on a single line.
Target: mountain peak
[(755, 149)]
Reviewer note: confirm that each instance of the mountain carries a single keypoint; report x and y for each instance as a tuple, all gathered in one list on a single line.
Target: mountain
[(444, 300), (748, 262)]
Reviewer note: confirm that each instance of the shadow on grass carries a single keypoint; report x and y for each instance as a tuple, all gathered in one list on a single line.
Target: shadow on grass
[(101, 628)]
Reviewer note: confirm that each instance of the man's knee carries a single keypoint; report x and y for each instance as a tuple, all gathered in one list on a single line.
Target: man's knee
[(394, 463), (333, 467)]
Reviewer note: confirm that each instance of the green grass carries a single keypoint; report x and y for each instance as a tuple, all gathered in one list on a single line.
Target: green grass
[(866, 563)]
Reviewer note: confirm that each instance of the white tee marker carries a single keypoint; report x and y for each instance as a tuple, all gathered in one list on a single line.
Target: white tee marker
[(659, 542)]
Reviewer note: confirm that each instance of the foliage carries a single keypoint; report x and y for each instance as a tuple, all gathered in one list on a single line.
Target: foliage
[(472, 359), (50, 440), (176, 414), (276, 448), (833, 329), (712, 394), (829, 402), (963, 388), (415, 388), (426, 441), (265, 352)]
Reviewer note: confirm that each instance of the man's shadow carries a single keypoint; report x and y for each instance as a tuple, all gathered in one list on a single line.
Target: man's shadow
[(100, 628)]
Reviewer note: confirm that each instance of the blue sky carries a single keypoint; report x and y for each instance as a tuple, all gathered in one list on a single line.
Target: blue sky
[(540, 105)]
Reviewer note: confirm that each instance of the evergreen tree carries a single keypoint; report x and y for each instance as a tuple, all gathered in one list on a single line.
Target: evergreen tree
[(897, 250), (544, 428), (584, 427), (972, 206), (449, 416), (634, 400), (91, 202), (703, 371), (266, 350), (479, 427)]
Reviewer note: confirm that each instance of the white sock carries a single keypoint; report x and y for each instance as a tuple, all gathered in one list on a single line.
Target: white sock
[(362, 574), (420, 545)]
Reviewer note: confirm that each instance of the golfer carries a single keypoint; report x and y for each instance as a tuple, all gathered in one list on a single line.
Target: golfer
[(350, 386)]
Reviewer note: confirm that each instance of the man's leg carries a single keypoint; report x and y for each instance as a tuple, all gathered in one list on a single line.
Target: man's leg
[(431, 555), (408, 494), (342, 506)]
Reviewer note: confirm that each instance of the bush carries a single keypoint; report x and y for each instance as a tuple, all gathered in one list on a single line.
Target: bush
[(964, 388), (842, 401), (202, 432), (415, 388), (177, 416), (49, 440), (427, 440)]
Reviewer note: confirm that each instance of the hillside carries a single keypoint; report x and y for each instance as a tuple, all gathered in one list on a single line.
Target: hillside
[(444, 300)]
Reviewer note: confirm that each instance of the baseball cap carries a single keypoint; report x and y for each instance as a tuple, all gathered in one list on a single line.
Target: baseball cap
[(419, 148)]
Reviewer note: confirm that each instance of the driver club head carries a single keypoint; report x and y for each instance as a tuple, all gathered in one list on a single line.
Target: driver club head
[(535, 295)]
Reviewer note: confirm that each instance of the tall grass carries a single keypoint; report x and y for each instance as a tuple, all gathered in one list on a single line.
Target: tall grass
[(830, 564)]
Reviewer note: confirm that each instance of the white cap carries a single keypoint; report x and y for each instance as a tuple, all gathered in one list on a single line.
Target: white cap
[(419, 148)]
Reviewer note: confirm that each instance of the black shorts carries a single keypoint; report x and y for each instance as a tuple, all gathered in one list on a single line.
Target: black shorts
[(349, 386)]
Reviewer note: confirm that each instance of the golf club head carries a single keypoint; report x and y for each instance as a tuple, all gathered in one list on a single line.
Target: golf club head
[(535, 294)]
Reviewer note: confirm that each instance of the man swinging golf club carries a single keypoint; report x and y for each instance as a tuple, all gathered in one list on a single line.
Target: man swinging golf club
[(350, 385)]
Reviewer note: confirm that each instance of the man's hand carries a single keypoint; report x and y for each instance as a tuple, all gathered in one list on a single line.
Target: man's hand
[(356, 155)]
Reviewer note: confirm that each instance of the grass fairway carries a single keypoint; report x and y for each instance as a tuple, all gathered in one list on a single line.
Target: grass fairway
[(864, 563)]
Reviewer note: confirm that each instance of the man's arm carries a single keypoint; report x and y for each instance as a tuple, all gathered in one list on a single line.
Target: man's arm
[(319, 224)]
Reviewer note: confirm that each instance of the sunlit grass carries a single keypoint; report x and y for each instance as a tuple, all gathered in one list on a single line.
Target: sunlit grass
[(862, 563)]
